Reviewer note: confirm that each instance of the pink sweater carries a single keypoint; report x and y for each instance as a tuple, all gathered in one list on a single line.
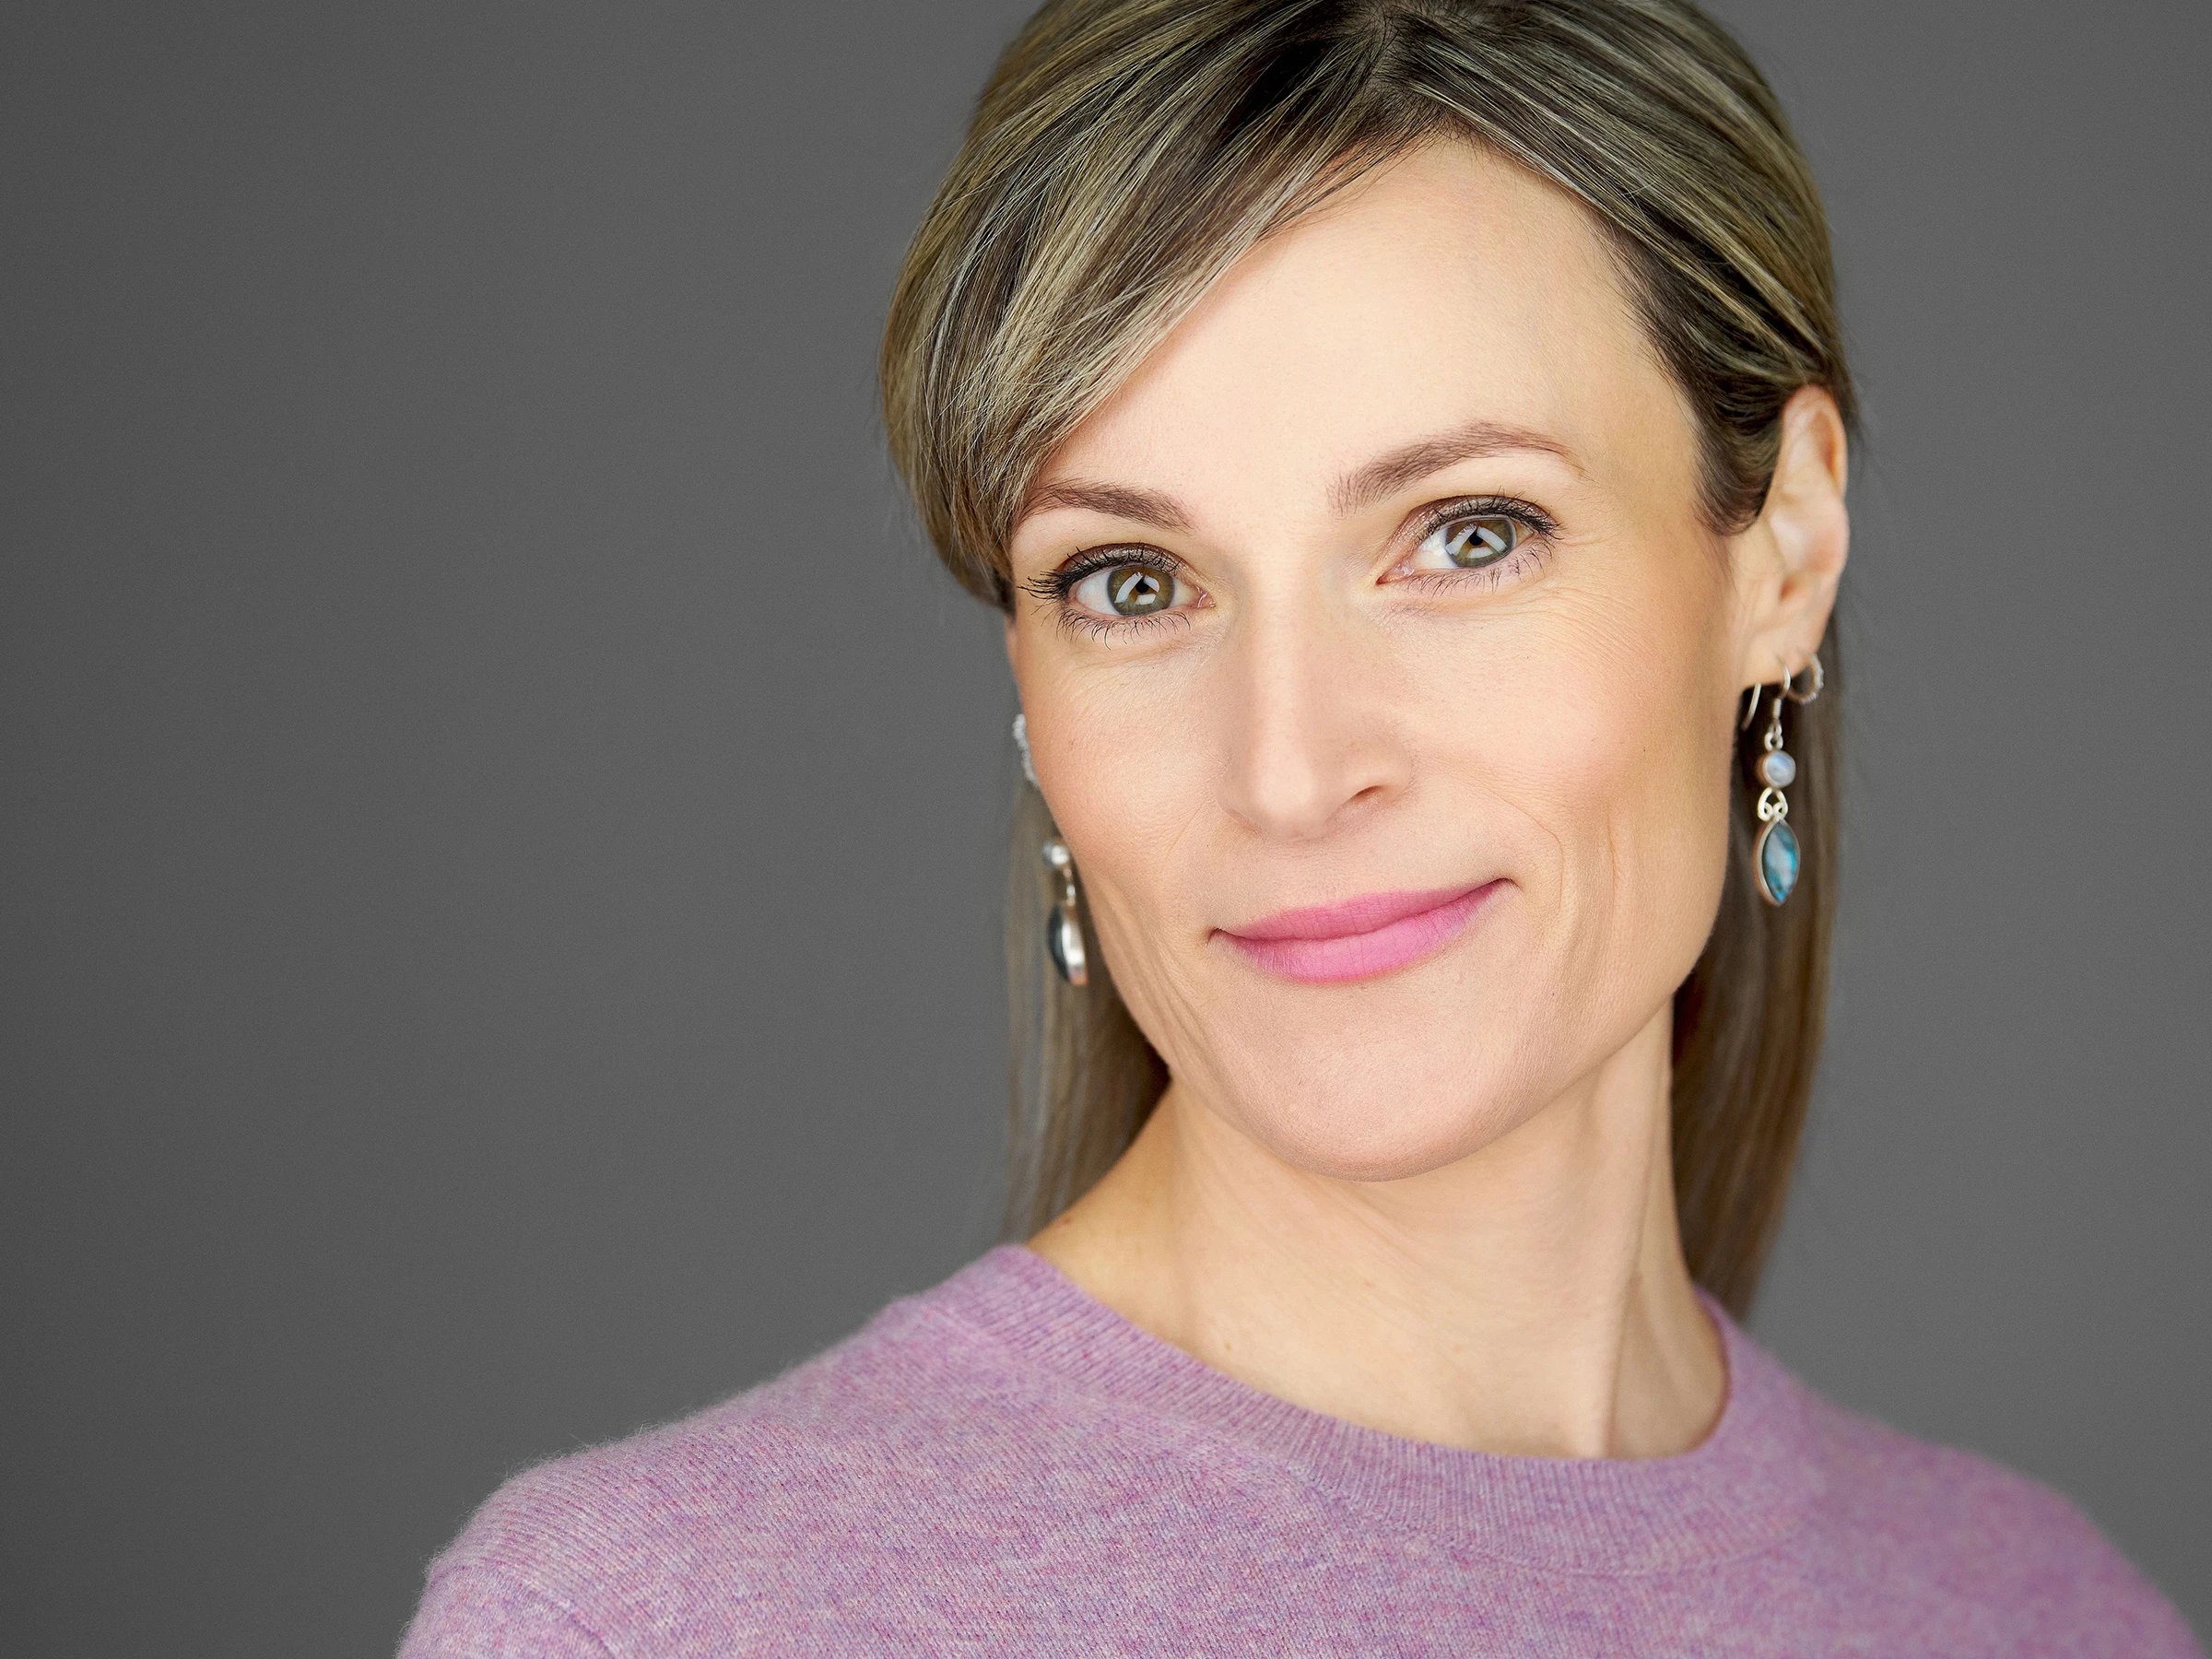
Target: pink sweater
[(1004, 1466)]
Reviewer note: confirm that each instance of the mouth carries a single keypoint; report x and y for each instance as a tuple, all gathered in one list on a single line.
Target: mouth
[(1359, 938)]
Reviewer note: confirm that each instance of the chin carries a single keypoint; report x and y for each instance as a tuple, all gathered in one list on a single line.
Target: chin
[(1383, 1111)]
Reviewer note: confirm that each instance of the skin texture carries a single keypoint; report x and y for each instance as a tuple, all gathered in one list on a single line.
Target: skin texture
[(1434, 1200)]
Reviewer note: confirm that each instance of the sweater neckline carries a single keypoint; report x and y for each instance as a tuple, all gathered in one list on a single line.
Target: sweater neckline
[(1748, 1483)]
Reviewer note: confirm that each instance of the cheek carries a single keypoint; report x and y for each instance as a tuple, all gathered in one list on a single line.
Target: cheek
[(1118, 759), (1594, 734)]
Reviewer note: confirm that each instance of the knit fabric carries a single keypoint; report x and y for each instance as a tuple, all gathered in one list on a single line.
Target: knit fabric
[(1002, 1464)]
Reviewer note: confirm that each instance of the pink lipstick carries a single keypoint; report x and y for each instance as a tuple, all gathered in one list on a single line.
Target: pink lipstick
[(1358, 939)]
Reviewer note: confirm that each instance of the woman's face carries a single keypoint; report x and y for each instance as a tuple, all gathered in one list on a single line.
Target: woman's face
[(1381, 673)]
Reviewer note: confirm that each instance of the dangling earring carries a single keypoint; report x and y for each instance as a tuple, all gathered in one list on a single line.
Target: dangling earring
[(1063, 933), (1776, 858)]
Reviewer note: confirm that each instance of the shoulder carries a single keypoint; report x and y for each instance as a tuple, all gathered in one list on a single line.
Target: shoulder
[(754, 1513), (1993, 1548)]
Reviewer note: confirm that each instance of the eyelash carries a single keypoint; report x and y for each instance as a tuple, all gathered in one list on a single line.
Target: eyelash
[(1541, 530), (1055, 588)]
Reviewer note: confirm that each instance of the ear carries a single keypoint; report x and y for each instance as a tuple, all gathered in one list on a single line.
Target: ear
[(1788, 563)]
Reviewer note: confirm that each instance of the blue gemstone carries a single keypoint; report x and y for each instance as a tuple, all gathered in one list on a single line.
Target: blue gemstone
[(1778, 859)]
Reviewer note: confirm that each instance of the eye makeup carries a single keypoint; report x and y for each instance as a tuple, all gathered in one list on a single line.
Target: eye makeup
[(1493, 540)]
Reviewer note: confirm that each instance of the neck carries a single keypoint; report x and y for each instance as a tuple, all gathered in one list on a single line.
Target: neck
[(1529, 1298)]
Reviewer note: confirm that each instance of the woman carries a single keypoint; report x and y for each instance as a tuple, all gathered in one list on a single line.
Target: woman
[(1407, 441)]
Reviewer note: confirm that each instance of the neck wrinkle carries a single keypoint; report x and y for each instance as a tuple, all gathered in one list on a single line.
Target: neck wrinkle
[(1529, 1300)]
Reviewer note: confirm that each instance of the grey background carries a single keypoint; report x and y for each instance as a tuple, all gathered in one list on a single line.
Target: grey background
[(501, 816)]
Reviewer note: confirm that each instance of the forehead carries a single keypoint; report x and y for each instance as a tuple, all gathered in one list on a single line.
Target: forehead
[(1443, 287)]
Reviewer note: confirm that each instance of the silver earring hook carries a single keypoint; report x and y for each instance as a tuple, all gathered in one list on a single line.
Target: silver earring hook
[(1784, 687), (1022, 742)]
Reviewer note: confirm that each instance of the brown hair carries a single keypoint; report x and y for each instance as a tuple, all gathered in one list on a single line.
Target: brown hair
[(1123, 156)]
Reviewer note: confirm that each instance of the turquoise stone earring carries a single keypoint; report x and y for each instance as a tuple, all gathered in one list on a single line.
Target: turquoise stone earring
[(1776, 859)]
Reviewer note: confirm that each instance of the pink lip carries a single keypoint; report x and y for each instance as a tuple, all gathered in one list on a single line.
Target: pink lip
[(1358, 939)]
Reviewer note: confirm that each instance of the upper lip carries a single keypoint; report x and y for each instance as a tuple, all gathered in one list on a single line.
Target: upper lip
[(1349, 916)]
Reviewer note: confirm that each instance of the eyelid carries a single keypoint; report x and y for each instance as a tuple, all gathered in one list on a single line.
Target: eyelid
[(1530, 549), (1432, 519), (1055, 585)]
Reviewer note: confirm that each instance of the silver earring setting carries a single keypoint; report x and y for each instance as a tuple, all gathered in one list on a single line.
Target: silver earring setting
[(1062, 932), (1777, 860)]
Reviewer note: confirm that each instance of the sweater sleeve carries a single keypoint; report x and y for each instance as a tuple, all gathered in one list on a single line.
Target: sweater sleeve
[(482, 1613)]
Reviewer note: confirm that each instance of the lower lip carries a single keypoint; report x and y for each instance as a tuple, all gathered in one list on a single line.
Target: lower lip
[(1364, 956)]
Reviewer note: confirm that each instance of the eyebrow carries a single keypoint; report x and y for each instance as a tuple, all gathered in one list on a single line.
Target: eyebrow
[(1115, 501), (1386, 474), (1362, 486)]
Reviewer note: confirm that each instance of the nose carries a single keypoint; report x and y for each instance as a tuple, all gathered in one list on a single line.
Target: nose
[(1308, 737)]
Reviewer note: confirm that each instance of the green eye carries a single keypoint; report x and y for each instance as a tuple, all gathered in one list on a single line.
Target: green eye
[(1131, 589), (1138, 590), (1135, 591), (1471, 543)]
